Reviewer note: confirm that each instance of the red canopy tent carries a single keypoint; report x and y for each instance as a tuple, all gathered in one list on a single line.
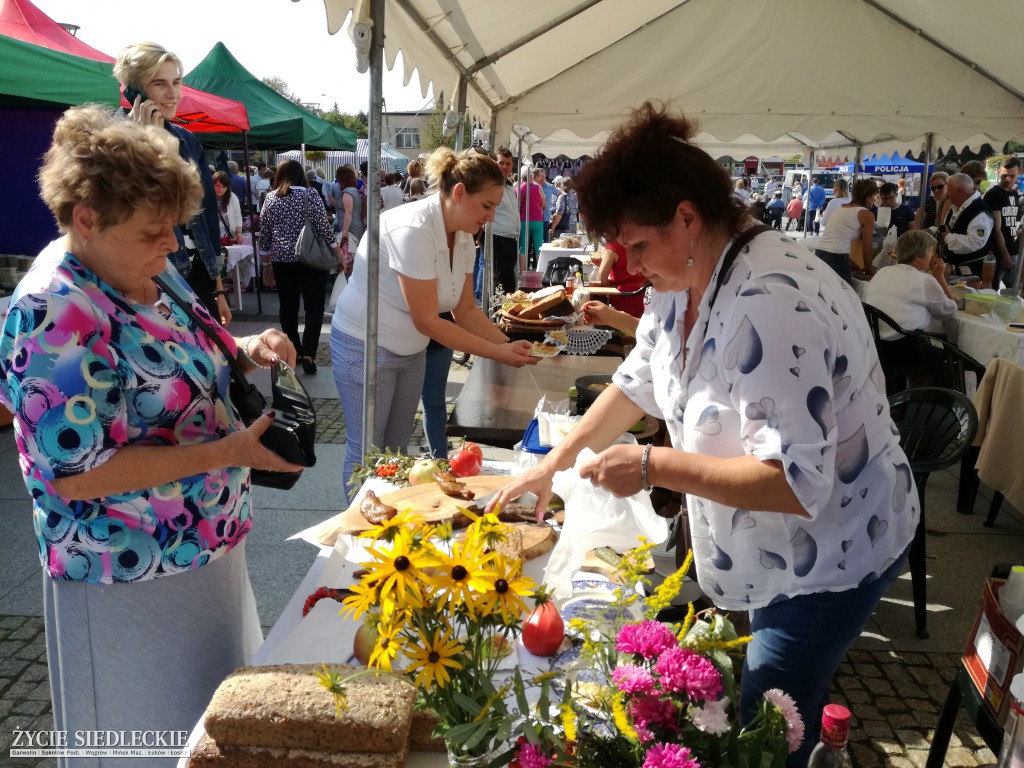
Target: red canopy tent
[(198, 111)]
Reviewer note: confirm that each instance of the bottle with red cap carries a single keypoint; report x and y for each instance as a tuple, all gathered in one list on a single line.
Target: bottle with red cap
[(835, 732)]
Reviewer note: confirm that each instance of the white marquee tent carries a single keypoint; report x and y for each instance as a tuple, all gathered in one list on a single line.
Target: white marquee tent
[(768, 76)]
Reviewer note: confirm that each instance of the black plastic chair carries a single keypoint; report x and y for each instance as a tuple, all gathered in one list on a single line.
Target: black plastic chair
[(936, 427), (897, 356), (950, 367)]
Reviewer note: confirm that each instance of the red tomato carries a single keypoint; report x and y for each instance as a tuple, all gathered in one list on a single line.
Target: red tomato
[(544, 630), (465, 463), (476, 449)]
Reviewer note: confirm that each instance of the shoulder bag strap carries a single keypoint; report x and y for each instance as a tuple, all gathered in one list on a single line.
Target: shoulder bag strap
[(737, 245), (236, 369)]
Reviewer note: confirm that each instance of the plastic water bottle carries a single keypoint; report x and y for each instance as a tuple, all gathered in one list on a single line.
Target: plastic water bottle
[(1011, 594), (1012, 753), (835, 732)]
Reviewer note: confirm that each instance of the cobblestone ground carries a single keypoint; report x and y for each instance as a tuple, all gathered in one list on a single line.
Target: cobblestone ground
[(895, 700)]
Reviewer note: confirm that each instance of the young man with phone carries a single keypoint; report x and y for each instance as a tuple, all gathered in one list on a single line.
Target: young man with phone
[(151, 78)]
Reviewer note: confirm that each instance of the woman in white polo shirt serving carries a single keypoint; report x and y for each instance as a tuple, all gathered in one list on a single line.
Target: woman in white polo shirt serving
[(426, 267)]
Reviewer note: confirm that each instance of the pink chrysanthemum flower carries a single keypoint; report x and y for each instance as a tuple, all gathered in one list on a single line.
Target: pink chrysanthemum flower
[(629, 678), (647, 639), (712, 717), (648, 711), (532, 756), (669, 756), (794, 723), (684, 671)]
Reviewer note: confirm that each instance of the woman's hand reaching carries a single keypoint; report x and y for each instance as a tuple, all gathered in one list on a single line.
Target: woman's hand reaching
[(516, 353), (616, 469)]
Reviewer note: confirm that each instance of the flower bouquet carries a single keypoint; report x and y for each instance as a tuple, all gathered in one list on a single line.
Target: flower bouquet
[(664, 696), (446, 611)]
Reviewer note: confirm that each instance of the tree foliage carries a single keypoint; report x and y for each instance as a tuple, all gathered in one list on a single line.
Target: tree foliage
[(358, 123), (278, 85), (432, 133)]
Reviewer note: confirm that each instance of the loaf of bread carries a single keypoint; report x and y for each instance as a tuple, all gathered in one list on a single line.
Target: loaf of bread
[(543, 301), (286, 707), (420, 739), (209, 754)]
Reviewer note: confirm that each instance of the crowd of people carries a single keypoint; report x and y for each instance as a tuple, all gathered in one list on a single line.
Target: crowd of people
[(138, 464)]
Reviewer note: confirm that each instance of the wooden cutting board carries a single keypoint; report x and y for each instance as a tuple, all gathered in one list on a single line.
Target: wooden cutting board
[(427, 499)]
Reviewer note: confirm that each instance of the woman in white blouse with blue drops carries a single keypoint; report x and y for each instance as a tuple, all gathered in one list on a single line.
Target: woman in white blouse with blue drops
[(801, 502)]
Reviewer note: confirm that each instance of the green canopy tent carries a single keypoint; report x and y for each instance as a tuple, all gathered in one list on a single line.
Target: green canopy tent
[(31, 76), (274, 121), (36, 86)]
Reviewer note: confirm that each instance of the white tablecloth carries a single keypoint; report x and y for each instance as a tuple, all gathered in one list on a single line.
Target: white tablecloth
[(984, 338), (240, 259), (549, 252)]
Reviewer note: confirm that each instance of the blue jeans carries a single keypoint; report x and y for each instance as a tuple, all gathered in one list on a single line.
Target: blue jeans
[(435, 410), (798, 645), (478, 276), (840, 263)]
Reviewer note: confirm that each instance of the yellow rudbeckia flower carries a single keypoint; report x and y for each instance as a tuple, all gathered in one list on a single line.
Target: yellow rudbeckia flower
[(505, 589), (432, 658)]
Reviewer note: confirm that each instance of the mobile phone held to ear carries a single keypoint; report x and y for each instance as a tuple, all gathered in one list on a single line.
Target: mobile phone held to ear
[(131, 93)]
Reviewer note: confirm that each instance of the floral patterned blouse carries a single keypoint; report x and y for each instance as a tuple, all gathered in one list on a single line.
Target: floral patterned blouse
[(787, 371), (86, 371)]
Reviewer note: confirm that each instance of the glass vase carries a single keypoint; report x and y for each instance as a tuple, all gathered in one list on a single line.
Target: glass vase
[(458, 758)]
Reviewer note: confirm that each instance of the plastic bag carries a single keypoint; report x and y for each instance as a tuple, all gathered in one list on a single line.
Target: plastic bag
[(885, 257), (595, 518)]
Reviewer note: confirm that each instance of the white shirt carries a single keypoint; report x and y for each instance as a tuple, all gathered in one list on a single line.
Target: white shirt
[(233, 216), (413, 243), (842, 230), (832, 207), (977, 233), (787, 372), (506, 215), (912, 298), (391, 197)]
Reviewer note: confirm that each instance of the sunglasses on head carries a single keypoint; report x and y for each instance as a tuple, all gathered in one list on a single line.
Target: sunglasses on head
[(485, 152)]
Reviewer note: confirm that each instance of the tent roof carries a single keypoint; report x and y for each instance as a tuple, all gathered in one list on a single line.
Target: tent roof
[(733, 65), (274, 120), (199, 112), (30, 75)]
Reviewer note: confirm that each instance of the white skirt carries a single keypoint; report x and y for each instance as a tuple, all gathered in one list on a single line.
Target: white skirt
[(146, 656)]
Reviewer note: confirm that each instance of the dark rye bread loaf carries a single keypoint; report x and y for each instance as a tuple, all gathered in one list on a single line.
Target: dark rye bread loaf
[(285, 706), (208, 754), (420, 740)]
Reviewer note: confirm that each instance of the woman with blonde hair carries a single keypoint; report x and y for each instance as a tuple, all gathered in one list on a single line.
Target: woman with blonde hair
[(851, 222), (426, 268), (152, 76), (840, 197), (132, 452)]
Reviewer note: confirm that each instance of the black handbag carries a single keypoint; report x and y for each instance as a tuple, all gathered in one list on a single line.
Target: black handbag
[(559, 269), (292, 436)]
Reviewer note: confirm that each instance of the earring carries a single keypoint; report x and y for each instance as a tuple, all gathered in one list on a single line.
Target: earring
[(689, 261)]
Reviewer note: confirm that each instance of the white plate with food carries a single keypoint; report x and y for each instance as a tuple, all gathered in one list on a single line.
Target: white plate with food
[(545, 348)]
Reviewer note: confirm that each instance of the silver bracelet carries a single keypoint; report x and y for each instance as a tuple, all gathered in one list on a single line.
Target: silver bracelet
[(643, 468), (244, 348)]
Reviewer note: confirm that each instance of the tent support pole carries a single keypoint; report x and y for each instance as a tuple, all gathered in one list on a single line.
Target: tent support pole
[(925, 187), (487, 285), (524, 247), (373, 225), (252, 235), (460, 107), (810, 180)]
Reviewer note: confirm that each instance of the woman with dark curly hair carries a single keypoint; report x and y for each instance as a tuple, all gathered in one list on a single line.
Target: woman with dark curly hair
[(759, 358)]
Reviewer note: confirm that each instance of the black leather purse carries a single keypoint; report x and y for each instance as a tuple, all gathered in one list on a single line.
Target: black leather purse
[(293, 434)]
